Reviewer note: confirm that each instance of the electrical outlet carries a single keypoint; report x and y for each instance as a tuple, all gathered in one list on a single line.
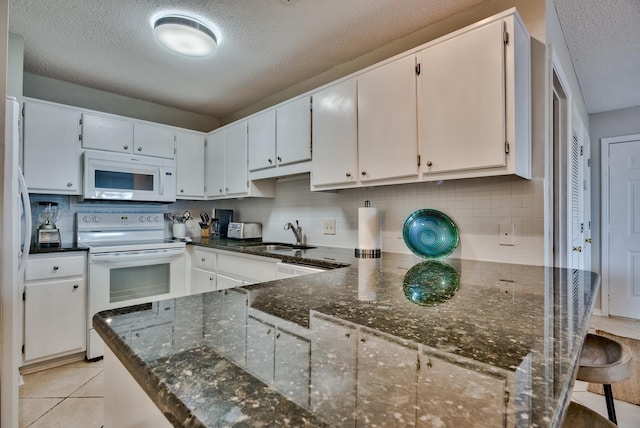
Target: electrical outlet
[(507, 232), (329, 226)]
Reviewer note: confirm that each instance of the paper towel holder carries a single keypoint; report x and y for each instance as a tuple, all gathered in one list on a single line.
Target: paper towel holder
[(368, 253)]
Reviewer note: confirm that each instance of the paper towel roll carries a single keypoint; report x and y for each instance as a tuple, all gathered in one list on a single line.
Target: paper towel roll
[(368, 228)]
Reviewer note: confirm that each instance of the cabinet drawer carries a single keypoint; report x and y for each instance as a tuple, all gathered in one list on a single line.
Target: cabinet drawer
[(55, 267), (204, 259)]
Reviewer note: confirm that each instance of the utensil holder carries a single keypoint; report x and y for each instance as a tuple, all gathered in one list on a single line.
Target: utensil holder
[(205, 232)]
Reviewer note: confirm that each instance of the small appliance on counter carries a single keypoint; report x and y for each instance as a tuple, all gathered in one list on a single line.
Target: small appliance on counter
[(245, 230), (47, 235), (220, 222)]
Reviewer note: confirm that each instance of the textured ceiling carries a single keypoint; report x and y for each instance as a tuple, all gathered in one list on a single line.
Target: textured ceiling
[(604, 42), (264, 46)]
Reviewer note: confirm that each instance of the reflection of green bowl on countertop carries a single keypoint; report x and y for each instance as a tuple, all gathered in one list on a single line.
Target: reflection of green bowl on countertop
[(431, 282)]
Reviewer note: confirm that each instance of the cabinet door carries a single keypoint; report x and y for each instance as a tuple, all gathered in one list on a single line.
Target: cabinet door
[(214, 165), (235, 156), (333, 371), (260, 348), (107, 133), (387, 377), (202, 281), (292, 367), (262, 140), (51, 139), (154, 140), (387, 127), (335, 135), (189, 165), (469, 400), (54, 318), (293, 131), (462, 102)]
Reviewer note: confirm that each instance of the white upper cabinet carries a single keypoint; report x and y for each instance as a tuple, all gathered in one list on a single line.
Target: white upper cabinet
[(474, 98), (227, 169), (462, 101), (387, 132), (235, 159), (189, 165), (154, 140), (124, 135), (280, 140), (214, 165), (262, 140), (110, 133), (51, 139), (335, 135), (293, 131)]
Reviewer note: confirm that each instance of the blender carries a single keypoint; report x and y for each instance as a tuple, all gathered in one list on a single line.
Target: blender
[(47, 235)]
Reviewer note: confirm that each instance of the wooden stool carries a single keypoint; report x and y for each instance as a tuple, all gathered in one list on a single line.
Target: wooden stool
[(579, 416), (604, 361)]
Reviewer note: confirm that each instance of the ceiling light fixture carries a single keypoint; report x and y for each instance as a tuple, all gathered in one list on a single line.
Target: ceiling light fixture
[(185, 36)]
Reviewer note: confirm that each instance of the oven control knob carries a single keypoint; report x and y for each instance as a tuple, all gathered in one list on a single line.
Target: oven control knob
[(149, 219), (95, 219), (86, 219), (156, 219), (141, 219)]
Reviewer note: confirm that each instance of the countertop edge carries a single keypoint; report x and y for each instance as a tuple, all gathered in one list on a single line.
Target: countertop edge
[(176, 412)]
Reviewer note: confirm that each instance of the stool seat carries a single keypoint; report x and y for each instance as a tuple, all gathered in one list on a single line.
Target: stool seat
[(579, 416), (604, 360)]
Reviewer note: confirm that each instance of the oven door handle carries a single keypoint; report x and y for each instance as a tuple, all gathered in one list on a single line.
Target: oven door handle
[(126, 256)]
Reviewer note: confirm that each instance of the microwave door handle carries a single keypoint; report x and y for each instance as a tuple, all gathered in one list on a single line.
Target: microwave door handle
[(161, 189)]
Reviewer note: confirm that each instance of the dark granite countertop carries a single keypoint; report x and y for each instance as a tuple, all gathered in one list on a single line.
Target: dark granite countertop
[(63, 248), (327, 257), (353, 345)]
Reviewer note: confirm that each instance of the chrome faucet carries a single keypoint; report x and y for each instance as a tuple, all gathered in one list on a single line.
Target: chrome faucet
[(297, 231)]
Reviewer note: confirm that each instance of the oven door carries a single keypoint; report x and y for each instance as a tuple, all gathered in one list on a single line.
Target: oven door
[(124, 278)]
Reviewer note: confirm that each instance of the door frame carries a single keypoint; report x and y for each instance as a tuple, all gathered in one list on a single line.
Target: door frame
[(605, 144)]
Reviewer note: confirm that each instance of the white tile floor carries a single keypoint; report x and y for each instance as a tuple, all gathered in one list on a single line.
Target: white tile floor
[(71, 395)]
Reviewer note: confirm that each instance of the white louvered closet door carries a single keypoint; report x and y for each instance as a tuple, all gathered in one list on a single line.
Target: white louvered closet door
[(575, 225)]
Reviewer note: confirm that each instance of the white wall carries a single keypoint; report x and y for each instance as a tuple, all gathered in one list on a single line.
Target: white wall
[(45, 88), (607, 124)]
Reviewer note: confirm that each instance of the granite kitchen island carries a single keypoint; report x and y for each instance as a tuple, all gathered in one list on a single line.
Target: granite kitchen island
[(384, 342)]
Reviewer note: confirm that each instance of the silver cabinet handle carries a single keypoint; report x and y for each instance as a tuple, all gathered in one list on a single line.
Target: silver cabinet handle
[(363, 340), (348, 174), (56, 267), (578, 249), (429, 163), (270, 161), (278, 336), (75, 286), (139, 149), (69, 184), (279, 159), (364, 173), (181, 190), (126, 147)]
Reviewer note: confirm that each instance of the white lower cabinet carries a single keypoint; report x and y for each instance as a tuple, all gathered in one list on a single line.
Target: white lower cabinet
[(55, 299)]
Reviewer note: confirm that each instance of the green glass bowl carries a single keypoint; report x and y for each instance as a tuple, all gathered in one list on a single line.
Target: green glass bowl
[(430, 234), (430, 283)]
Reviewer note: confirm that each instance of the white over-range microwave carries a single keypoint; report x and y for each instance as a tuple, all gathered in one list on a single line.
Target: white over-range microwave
[(124, 177)]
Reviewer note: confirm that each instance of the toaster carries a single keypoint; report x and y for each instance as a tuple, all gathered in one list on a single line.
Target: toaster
[(243, 230)]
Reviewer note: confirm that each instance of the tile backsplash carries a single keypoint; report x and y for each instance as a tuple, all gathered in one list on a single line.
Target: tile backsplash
[(477, 206)]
